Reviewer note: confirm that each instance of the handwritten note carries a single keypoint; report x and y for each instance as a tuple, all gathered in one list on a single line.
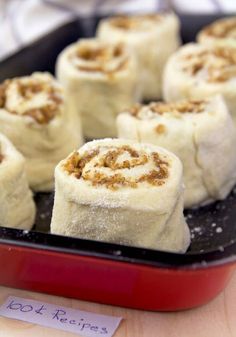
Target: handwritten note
[(54, 316)]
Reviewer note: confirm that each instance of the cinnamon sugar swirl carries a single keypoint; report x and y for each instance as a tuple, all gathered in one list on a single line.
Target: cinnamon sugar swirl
[(221, 32), (197, 71)]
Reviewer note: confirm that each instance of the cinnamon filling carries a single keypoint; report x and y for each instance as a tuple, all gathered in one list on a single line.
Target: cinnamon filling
[(98, 58), (99, 53), (103, 69), (222, 29), (160, 129), (1, 158), (2, 95), (76, 166), (134, 22), (26, 91), (219, 63), (191, 106)]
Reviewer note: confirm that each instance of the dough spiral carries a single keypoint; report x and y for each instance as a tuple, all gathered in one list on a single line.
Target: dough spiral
[(36, 117), (120, 191), (145, 34), (198, 71), (198, 132), (100, 79)]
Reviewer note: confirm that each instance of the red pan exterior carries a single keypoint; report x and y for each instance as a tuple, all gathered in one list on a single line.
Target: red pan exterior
[(110, 282)]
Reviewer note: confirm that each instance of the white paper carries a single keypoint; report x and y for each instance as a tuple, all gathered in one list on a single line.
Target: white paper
[(54, 316)]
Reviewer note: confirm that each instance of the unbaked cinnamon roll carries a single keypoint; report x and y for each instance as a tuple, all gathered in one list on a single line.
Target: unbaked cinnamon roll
[(101, 79), (221, 32), (124, 192), (153, 39), (35, 116), (17, 209), (201, 133), (196, 72)]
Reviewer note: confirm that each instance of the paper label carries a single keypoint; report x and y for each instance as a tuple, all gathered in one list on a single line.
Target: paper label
[(54, 316)]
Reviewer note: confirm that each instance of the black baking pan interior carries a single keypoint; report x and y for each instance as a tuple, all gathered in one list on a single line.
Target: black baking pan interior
[(213, 227)]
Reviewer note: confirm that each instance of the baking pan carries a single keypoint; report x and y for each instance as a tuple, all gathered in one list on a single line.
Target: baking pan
[(110, 273)]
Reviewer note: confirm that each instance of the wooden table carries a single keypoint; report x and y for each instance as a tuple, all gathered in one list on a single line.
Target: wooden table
[(216, 319)]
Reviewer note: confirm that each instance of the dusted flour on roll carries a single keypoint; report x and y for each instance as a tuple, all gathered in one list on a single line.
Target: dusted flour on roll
[(17, 207), (221, 32), (200, 133), (153, 39), (124, 192), (196, 72), (101, 79), (35, 116)]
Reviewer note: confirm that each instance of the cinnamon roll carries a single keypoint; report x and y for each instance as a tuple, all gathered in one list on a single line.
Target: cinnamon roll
[(124, 192), (153, 39), (221, 32), (101, 79), (17, 207), (199, 133), (35, 116), (197, 71)]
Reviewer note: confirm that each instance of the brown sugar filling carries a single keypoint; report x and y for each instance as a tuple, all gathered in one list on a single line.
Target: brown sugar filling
[(41, 115), (220, 68), (1, 158), (133, 22), (221, 29), (75, 165), (103, 69), (160, 129), (100, 53), (101, 56), (192, 106)]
